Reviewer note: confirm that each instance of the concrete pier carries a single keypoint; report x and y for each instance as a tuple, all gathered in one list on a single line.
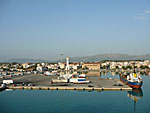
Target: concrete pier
[(68, 88), (2, 88), (41, 82)]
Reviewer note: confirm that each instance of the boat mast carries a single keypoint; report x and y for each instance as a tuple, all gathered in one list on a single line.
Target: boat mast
[(134, 68), (135, 106)]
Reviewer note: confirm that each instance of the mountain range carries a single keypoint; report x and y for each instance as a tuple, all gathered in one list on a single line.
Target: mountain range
[(94, 58), (110, 56), (23, 60)]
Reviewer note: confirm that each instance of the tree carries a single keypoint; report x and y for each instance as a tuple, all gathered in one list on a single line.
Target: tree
[(117, 67), (103, 67), (142, 67), (129, 67), (123, 67)]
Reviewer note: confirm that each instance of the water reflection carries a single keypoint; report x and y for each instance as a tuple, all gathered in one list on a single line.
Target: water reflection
[(105, 74), (135, 95)]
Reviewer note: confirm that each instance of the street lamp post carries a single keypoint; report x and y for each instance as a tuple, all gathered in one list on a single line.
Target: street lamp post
[(61, 57)]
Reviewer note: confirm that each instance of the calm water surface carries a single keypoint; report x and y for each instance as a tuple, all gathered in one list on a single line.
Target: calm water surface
[(47, 101)]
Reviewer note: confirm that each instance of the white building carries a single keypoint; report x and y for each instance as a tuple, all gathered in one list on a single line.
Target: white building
[(67, 64), (74, 66), (61, 65), (26, 65), (40, 68)]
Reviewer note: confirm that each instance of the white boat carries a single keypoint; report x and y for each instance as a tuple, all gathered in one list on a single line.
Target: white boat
[(7, 81), (8, 89), (76, 79)]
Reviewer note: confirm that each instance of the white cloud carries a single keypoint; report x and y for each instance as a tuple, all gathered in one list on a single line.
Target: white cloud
[(143, 16), (147, 12)]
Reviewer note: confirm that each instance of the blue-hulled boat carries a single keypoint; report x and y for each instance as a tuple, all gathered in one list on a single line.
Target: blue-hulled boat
[(132, 80)]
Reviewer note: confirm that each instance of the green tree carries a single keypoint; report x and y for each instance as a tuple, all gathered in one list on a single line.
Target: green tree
[(123, 67), (129, 67), (104, 67), (117, 67), (142, 67)]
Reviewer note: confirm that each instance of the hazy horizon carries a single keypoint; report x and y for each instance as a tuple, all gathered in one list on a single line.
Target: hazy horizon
[(64, 57), (45, 29)]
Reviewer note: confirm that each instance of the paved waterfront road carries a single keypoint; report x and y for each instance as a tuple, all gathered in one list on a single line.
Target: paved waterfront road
[(32, 78)]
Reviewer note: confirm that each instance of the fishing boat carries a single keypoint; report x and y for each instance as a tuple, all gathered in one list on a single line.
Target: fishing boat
[(133, 80)]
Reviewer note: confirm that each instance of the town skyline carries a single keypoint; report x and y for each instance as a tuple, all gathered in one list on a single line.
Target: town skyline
[(44, 30)]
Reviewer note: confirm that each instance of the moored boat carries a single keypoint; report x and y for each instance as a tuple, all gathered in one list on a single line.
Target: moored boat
[(76, 79), (133, 80)]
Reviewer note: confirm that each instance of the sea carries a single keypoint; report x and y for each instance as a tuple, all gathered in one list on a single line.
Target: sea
[(60, 101)]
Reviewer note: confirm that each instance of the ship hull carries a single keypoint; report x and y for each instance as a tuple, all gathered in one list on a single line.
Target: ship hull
[(131, 84)]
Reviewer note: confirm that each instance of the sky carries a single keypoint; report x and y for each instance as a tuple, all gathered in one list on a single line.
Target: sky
[(44, 29)]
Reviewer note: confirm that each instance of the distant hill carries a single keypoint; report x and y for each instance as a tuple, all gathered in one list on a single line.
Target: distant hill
[(23, 60), (110, 56), (99, 57)]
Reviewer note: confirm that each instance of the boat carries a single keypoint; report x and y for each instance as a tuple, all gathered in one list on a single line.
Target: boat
[(76, 79), (133, 80), (2, 87), (8, 89), (68, 76), (8, 81)]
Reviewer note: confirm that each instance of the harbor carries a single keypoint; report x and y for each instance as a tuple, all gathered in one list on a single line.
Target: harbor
[(41, 82), (37, 90), (43, 77), (75, 56)]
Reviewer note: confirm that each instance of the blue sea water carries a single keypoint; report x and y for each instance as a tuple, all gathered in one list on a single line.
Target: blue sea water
[(47, 101)]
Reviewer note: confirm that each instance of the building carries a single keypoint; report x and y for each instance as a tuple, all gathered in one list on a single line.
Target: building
[(40, 68), (26, 65), (61, 65), (74, 66), (67, 64), (91, 66)]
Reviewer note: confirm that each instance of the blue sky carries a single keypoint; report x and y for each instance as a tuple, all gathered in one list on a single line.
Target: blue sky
[(46, 28)]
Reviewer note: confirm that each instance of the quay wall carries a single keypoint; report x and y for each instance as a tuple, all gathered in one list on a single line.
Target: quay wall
[(69, 88)]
